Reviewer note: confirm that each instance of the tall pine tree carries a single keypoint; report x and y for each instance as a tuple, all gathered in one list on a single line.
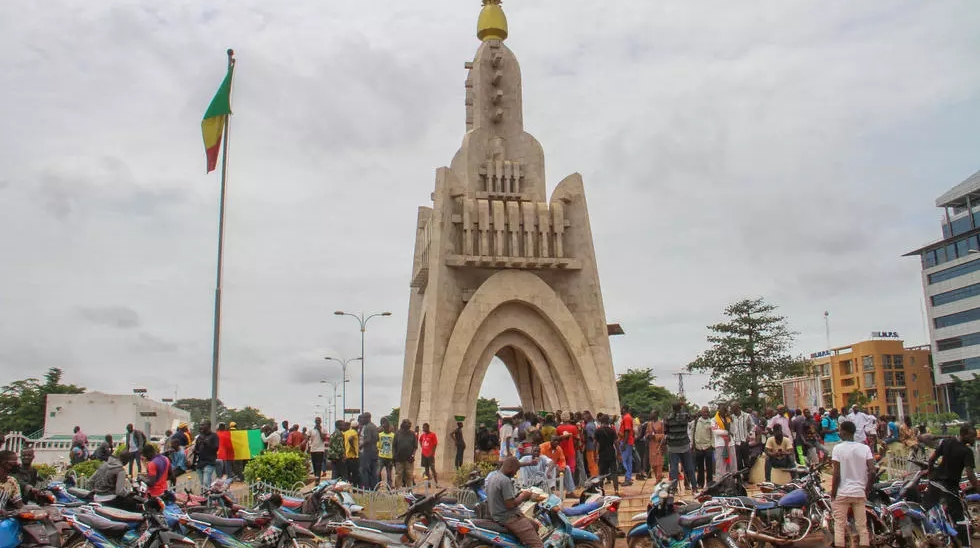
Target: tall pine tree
[(750, 353)]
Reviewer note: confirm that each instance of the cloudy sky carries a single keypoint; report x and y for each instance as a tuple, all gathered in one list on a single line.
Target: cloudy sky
[(786, 149)]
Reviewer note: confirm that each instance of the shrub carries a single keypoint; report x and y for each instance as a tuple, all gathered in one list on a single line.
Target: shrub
[(45, 471), (86, 468), (282, 469), (463, 473)]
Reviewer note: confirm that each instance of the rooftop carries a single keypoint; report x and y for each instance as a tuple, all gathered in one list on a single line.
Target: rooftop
[(957, 196)]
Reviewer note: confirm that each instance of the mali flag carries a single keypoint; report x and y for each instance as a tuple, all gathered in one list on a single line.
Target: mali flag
[(213, 124), (239, 444)]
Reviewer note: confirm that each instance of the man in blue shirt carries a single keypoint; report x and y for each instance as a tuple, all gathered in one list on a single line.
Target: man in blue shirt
[(830, 429)]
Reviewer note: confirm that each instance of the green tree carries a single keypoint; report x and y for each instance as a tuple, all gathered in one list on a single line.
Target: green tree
[(200, 410), (858, 398), (247, 418), (749, 355), (22, 402), (969, 393), (395, 417), (486, 412), (637, 390)]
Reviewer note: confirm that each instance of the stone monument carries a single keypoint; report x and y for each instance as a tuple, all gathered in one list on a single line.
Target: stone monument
[(502, 271)]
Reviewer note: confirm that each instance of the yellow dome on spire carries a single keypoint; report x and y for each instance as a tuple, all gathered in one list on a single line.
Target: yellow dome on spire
[(492, 24)]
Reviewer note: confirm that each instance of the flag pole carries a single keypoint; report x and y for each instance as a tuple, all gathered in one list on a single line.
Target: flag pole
[(216, 344)]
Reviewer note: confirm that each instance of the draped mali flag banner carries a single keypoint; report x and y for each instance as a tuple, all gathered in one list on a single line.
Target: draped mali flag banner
[(239, 444), (213, 125)]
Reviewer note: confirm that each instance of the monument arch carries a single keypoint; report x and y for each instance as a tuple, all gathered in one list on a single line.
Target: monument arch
[(500, 270)]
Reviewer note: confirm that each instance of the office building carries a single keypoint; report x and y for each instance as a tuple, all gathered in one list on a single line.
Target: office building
[(951, 281), (881, 370)]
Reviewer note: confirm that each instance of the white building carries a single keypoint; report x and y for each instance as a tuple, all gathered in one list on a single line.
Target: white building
[(99, 414), (951, 280)]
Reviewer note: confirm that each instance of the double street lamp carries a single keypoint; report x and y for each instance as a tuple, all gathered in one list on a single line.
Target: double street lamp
[(343, 369), (362, 322)]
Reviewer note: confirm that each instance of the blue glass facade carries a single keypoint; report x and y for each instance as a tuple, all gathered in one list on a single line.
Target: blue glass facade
[(951, 251), (958, 342), (956, 271), (949, 320), (956, 295), (957, 366)]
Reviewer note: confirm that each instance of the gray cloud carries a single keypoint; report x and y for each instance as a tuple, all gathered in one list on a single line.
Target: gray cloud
[(148, 343), (783, 150), (121, 317)]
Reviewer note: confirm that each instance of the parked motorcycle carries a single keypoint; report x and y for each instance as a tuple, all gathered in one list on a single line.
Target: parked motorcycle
[(600, 516), (729, 485), (556, 531), (152, 531), (30, 526), (784, 522), (669, 524)]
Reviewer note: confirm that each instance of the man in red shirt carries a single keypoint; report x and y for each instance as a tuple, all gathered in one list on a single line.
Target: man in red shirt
[(428, 442), (157, 470), (627, 437), (568, 434)]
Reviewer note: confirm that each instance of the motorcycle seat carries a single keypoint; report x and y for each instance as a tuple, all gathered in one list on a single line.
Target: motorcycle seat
[(115, 514), (302, 518), (292, 502), (79, 492), (688, 508), (443, 500), (581, 509), (384, 527), (102, 524), (490, 525), (219, 522), (691, 522), (758, 504)]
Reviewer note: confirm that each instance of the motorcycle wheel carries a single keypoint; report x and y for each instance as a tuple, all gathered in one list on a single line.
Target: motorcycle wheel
[(79, 542), (717, 542), (605, 532), (640, 542), (737, 534), (918, 539), (410, 521)]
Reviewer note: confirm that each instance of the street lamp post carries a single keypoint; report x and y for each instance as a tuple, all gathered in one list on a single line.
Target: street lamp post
[(335, 396), (362, 322), (343, 369)]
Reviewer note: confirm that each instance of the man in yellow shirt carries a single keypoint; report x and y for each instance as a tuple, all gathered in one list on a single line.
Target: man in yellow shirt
[(351, 445)]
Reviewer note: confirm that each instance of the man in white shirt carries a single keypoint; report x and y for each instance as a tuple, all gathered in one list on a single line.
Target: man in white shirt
[(853, 470), (507, 442), (782, 420), (861, 422)]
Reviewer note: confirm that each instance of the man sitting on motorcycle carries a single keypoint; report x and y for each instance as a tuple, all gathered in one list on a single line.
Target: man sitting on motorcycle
[(503, 503), (110, 486), (957, 460), (9, 487)]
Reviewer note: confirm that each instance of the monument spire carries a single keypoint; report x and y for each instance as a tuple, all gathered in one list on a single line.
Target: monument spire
[(492, 24)]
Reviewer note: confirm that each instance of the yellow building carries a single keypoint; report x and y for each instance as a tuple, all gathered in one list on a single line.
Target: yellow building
[(881, 369)]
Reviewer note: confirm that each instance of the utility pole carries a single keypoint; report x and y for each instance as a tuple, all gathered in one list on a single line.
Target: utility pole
[(680, 382)]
